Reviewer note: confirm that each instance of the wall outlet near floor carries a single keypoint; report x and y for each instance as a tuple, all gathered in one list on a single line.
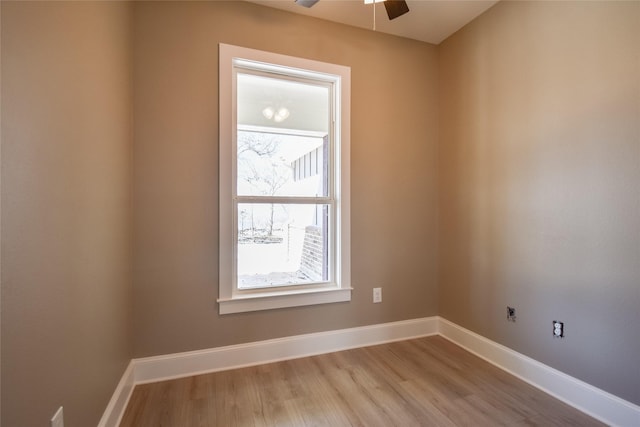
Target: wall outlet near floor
[(558, 329), (377, 295), (58, 418), (511, 314)]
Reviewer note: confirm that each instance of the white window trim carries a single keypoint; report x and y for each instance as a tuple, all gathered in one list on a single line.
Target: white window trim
[(230, 299)]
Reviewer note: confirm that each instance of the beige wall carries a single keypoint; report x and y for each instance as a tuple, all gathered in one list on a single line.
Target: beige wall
[(393, 172), (521, 133), (66, 198), (539, 184)]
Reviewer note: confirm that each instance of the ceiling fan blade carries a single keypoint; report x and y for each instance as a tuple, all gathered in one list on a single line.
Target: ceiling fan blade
[(395, 8), (307, 3)]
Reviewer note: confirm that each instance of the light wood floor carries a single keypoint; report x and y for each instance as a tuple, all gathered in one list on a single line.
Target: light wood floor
[(426, 381)]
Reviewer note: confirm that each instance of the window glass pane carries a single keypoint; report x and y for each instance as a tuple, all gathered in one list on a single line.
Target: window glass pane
[(282, 244), (277, 102), (271, 164)]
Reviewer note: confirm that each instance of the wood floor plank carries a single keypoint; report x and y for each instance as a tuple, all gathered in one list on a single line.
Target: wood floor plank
[(421, 382)]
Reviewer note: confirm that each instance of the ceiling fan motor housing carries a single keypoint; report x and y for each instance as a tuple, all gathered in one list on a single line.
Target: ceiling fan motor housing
[(306, 3)]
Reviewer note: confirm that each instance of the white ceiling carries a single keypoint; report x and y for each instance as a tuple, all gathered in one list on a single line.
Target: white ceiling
[(430, 21)]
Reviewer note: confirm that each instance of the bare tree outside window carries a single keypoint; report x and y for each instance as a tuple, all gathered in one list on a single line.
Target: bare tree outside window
[(262, 144), (262, 166)]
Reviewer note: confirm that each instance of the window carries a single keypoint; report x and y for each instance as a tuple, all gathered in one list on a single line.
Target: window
[(284, 181)]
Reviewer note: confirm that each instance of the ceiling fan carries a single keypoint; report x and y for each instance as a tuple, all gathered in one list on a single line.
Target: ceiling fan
[(394, 8)]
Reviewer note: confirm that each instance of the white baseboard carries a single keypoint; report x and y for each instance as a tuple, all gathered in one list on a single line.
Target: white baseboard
[(118, 403), (158, 368), (591, 400), (152, 369)]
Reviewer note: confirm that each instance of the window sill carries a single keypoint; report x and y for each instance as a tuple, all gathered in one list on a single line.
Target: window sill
[(272, 300)]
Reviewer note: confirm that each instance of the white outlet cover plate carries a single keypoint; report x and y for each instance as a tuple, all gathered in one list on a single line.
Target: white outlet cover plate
[(377, 295)]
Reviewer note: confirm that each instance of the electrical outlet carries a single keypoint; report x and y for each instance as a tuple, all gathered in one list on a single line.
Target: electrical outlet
[(558, 329), (377, 295), (58, 418), (511, 314)]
